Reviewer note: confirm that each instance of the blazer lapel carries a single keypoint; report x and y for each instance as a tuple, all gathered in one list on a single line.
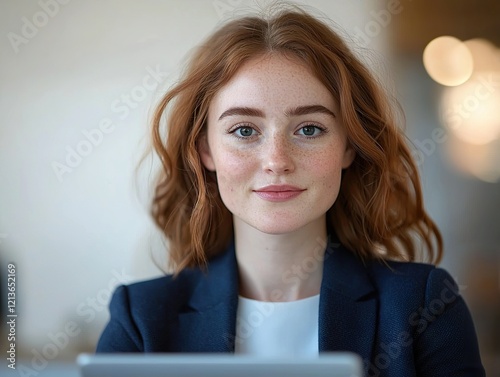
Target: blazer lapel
[(347, 311), (208, 324), (348, 305)]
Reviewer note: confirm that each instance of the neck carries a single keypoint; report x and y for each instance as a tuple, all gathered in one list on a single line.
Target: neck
[(283, 267)]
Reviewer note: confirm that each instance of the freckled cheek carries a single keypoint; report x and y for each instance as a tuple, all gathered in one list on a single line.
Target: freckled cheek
[(233, 171), (326, 170)]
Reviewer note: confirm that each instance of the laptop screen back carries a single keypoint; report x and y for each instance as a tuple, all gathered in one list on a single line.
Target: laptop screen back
[(218, 365)]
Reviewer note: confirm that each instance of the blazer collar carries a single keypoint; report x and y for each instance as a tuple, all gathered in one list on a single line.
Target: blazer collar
[(347, 312), (208, 323), (348, 304)]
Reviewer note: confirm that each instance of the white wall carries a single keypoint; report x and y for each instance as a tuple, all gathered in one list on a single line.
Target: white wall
[(71, 235)]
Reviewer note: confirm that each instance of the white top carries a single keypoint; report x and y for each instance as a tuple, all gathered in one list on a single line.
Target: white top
[(277, 329)]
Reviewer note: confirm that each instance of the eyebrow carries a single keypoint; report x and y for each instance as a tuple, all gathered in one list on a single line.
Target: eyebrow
[(296, 111)]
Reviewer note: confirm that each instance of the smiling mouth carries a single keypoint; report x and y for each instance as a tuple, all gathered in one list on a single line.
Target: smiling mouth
[(279, 193)]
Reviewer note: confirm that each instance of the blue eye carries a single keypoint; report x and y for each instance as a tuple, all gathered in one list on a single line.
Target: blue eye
[(311, 130), (243, 132)]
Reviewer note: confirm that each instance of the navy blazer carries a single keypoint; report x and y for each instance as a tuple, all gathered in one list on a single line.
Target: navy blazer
[(403, 319)]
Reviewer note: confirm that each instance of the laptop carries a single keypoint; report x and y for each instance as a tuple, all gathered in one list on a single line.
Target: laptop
[(337, 364)]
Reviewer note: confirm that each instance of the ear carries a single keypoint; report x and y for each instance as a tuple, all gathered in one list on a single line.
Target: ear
[(349, 155), (204, 152)]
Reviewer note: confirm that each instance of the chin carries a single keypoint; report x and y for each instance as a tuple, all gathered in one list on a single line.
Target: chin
[(280, 228)]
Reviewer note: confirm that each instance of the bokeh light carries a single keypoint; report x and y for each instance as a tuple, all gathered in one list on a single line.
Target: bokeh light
[(485, 55), (471, 110), (448, 61)]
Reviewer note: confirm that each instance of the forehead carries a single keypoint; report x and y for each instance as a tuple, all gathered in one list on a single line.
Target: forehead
[(273, 83)]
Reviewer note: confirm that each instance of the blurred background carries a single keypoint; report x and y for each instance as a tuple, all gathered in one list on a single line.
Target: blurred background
[(78, 81)]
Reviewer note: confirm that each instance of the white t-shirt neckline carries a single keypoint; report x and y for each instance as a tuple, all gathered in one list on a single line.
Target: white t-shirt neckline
[(277, 329)]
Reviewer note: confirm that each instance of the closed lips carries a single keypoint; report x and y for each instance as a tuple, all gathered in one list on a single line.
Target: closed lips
[(279, 188), (278, 193)]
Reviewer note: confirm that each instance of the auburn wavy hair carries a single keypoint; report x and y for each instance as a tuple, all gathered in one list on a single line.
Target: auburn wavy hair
[(379, 211)]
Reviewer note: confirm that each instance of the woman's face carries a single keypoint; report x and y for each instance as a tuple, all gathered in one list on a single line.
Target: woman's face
[(277, 145)]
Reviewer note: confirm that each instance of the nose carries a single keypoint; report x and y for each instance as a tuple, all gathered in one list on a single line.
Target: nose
[(278, 156)]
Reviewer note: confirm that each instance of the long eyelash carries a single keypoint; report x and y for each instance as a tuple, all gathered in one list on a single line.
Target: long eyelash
[(323, 130), (238, 126), (233, 130)]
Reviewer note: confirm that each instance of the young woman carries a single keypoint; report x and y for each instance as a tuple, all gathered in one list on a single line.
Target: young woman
[(294, 212)]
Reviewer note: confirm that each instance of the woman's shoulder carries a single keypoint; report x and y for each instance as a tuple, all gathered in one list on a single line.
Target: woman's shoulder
[(163, 288), (412, 281), (394, 272), (191, 287)]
